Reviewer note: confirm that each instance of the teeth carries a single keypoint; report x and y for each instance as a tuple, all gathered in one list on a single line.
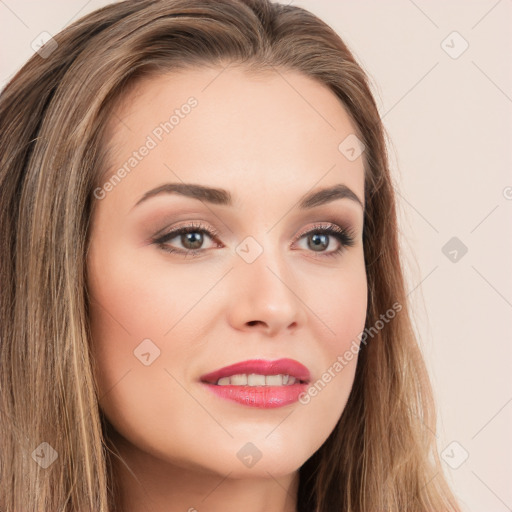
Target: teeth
[(274, 380), (254, 379), (238, 380)]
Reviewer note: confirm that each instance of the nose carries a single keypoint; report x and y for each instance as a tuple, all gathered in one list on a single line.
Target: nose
[(265, 297)]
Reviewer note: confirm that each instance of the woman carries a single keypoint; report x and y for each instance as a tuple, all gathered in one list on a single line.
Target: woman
[(265, 359)]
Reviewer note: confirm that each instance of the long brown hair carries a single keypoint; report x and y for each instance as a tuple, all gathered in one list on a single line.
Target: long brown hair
[(382, 454)]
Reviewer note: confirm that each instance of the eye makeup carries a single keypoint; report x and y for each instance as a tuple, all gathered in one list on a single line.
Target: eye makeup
[(320, 231)]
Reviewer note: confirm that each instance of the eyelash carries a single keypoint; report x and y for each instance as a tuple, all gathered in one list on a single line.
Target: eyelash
[(345, 238)]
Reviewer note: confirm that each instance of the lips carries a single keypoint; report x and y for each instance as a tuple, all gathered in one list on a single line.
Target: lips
[(248, 388), (261, 367)]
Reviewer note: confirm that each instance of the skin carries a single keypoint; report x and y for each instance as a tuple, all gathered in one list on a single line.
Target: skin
[(268, 138)]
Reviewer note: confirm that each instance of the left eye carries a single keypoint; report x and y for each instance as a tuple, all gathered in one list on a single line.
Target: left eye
[(192, 238), (318, 238)]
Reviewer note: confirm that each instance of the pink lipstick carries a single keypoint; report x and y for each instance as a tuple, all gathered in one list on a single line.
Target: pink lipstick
[(259, 383)]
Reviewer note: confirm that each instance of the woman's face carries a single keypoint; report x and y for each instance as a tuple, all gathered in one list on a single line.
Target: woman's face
[(257, 288)]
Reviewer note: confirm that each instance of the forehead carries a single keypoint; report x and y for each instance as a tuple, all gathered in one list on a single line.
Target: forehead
[(250, 131)]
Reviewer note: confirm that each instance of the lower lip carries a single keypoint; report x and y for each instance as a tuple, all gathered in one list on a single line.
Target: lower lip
[(265, 397)]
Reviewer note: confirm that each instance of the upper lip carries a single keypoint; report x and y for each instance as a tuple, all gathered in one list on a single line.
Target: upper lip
[(262, 367)]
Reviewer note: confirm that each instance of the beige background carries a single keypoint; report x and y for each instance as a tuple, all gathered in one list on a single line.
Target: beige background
[(448, 113)]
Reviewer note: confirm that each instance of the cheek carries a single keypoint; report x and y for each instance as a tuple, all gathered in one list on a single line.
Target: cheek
[(341, 304), (140, 313), (130, 311), (133, 300), (137, 366), (346, 309)]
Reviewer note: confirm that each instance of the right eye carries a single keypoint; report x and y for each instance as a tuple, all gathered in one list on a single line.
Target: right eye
[(191, 235)]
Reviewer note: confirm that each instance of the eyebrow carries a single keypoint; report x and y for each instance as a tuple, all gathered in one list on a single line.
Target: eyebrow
[(220, 196)]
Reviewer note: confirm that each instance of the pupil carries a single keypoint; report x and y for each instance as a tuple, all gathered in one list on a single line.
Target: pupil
[(189, 237), (319, 241)]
